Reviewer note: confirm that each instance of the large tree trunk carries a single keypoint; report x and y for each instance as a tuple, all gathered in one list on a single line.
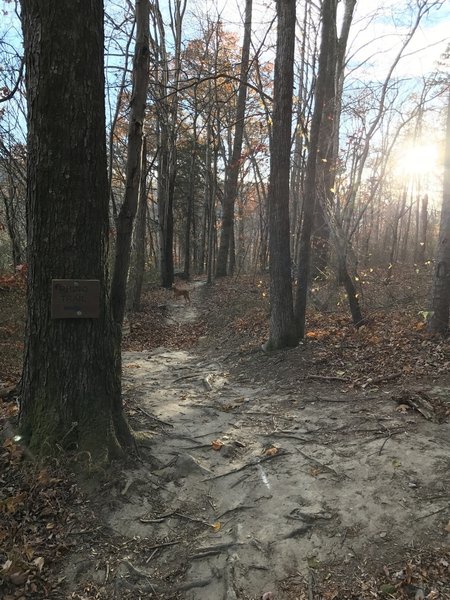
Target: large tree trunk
[(71, 379), (134, 160), (231, 185), (440, 302), (282, 330)]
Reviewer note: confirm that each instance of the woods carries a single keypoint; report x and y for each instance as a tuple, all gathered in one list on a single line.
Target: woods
[(208, 109), (224, 290)]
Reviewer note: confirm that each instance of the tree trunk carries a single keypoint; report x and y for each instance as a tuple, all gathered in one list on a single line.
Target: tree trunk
[(165, 201), (309, 202), (71, 387), (440, 295), (12, 226), (231, 185), (349, 286), (190, 204), (423, 230), (137, 267), (134, 160), (282, 327)]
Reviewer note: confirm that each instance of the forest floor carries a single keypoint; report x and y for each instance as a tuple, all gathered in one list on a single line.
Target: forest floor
[(319, 472)]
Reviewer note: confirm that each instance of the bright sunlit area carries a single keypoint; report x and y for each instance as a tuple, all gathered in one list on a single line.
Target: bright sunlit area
[(419, 159)]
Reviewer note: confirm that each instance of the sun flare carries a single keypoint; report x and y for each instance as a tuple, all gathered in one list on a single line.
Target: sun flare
[(418, 160)]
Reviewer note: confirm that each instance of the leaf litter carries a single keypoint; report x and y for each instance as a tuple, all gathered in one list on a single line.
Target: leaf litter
[(46, 521)]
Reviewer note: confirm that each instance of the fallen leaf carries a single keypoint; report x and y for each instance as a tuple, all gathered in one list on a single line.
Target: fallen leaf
[(387, 588), (217, 445), (217, 526), (18, 578), (271, 451), (39, 562)]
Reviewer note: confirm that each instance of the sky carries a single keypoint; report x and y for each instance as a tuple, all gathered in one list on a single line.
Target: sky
[(377, 29)]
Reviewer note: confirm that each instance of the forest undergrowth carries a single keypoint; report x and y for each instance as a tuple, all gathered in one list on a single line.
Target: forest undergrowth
[(44, 511)]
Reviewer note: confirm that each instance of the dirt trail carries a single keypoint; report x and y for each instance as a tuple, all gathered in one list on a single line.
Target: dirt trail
[(303, 478), (249, 487)]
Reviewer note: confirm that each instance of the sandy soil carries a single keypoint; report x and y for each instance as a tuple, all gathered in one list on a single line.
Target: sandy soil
[(249, 485)]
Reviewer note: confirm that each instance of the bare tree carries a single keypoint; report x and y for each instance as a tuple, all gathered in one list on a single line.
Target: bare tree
[(440, 303), (282, 326), (231, 182), (128, 209), (309, 202)]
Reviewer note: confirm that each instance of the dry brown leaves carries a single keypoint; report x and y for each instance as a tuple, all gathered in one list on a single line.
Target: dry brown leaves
[(151, 328), (39, 507)]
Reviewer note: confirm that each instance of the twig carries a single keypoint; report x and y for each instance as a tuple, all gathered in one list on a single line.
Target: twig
[(328, 378), (183, 377), (193, 519), (137, 571), (310, 585), (147, 414), (288, 436), (254, 463), (380, 379), (321, 465), (162, 518), (151, 556), (344, 400), (212, 550), (433, 513), (387, 439), (226, 512)]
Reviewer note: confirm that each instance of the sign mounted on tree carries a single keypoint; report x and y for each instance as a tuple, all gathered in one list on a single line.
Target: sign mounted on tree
[(75, 298)]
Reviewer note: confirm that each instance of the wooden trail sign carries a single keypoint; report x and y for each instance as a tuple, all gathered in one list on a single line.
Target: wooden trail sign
[(75, 298)]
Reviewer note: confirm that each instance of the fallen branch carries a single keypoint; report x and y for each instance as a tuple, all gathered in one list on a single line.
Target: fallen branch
[(253, 463), (380, 379), (212, 550), (319, 464), (432, 513), (147, 414), (186, 377), (162, 518), (328, 378), (391, 434)]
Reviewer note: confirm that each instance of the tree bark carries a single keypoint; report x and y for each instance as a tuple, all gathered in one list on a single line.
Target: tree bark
[(70, 396), (134, 160), (231, 185), (423, 230), (309, 202), (137, 266), (282, 327), (440, 303)]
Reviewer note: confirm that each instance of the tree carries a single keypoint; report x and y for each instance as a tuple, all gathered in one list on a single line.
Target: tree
[(71, 389), (329, 8), (231, 182), (329, 136), (282, 328), (128, 210), (137, 261), (440, 303), (168, 78)]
